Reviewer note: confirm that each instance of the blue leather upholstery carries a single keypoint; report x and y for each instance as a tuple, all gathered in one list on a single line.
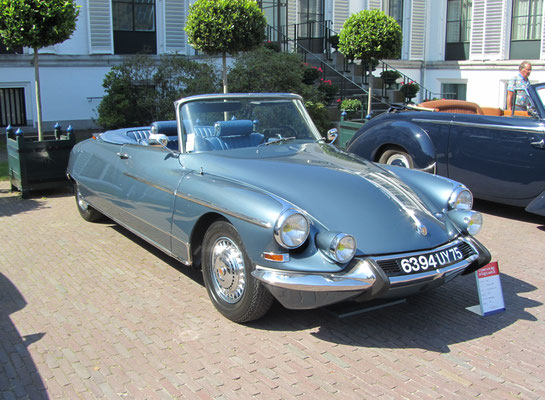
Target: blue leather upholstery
[(230, 135), (204, 131), (138, 135), (168, 128)]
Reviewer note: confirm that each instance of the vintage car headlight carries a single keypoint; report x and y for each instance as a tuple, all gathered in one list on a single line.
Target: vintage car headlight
[(291, 229), (460, 199), (339, 247), (470, 221)]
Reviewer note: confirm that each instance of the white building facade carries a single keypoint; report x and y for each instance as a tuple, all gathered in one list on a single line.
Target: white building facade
[(465, 49)]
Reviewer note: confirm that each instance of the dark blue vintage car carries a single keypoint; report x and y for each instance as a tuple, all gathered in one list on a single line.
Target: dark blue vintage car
[(499, 155), (244, 187)]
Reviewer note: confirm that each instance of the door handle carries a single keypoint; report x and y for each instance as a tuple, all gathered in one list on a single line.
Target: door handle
[(540, 144), (123, 156)]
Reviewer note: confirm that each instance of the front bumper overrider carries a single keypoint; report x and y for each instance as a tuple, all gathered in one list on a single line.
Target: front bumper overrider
[(362, 280)]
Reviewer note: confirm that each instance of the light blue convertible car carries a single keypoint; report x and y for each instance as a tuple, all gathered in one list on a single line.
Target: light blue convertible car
[(244, 187)]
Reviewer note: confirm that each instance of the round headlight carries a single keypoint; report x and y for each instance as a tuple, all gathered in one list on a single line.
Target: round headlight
[(342, 248), (474, 223), (460, 199), (470, 221), (291, 229)]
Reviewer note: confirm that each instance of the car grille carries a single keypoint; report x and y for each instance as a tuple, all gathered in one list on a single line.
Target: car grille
[(392, 267)]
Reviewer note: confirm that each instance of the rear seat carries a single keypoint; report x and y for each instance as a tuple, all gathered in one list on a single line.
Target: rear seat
[(467, 107)]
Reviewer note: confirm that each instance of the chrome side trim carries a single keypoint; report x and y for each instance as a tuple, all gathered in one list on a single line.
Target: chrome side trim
[(187, 262), (518, 128), (203, 203), (501, 127), (360, 277), (430, 169)]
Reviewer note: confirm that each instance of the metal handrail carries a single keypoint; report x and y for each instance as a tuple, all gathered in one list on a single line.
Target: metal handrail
[(286, 40)]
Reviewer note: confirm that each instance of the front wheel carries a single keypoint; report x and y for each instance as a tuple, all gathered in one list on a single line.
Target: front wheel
[(396, 157), (227, 275), (87, 212)]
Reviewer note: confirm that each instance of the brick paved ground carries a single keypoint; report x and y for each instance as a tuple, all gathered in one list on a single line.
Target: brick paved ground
[(90, 311)]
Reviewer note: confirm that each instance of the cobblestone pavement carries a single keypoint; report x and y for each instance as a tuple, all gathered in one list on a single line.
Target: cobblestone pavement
[(90, 311)]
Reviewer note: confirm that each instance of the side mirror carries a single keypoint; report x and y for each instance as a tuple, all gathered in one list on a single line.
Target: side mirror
[(158, 138), (332, 135)]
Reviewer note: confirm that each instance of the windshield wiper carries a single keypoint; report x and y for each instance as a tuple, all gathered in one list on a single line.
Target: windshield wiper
[(279, 140)]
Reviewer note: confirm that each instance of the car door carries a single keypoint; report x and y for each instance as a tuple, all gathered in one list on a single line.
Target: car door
[(149, 177), (497, 157)]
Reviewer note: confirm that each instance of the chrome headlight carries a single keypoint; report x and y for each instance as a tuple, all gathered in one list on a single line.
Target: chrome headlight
[(339, 247), (291, 229), (460, 199), (470, 221)]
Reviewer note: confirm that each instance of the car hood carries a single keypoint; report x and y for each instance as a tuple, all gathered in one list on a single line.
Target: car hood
[(339, 192)]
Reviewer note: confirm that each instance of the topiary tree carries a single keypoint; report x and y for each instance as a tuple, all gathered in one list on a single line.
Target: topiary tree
[(225, 26), (37, 24), (370, 36)]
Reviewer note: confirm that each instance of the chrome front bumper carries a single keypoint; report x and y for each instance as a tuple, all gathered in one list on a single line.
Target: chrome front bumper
[(364, 280)]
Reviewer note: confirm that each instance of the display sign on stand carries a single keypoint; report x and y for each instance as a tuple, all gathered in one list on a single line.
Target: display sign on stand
[(489, 288)]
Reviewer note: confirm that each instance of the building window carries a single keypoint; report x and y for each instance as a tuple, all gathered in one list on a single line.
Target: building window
[(526, 29), (311, 18), (454, 91), (12, 107), (395, 10), (134, 26), (458, 29)]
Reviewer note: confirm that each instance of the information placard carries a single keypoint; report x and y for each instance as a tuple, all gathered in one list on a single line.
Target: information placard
[(489, 288)]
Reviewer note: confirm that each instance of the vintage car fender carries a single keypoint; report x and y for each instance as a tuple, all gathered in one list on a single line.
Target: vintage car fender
[(252, 211), (371, 141)]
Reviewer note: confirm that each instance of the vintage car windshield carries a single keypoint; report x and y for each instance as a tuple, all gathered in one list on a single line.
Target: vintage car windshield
[(229, 123)]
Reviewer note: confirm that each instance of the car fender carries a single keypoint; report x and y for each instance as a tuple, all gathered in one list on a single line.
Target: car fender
[(204, 197), (373, 139)]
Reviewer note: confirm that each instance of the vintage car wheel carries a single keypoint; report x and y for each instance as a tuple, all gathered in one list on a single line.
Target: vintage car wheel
[(87, 212), (227, 275), (396, 157)]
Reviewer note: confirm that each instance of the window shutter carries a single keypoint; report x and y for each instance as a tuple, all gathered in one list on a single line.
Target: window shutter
[(340, 14), (488, 30), (175, 18), (100, 27), (542, 55), (375, 4), (417, 34)]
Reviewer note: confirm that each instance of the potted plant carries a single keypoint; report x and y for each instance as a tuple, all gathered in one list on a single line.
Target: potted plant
[(35, 162), (328, 89), (352, 107), (410, 90), (390, 76), (310, 73)]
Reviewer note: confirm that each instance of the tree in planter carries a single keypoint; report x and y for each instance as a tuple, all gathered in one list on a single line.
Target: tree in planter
[(370, 36), (225, 26), (37, 24)]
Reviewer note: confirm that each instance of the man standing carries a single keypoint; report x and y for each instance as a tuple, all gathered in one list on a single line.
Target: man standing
[(520, 81)]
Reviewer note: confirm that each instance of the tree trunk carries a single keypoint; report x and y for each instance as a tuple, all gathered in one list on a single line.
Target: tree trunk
[(224, 73), (370, 94), (38, 96)]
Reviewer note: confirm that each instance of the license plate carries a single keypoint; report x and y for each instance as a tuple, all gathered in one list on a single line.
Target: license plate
[(430, 261)]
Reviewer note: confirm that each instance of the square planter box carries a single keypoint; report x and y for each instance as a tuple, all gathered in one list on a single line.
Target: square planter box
[(38, 165)]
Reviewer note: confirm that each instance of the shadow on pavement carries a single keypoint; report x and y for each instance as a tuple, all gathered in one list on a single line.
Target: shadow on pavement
[(11, 203), (510, 212), (19, 377), (430, 321)]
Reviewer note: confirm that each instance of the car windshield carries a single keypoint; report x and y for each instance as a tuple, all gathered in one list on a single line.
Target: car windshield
[(228, 123)]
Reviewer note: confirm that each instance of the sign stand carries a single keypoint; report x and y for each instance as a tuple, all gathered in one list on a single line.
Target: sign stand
[(490, 292)]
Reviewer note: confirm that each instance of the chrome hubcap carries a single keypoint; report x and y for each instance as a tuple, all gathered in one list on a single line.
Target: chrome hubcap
[(398, 160), (227, 270)]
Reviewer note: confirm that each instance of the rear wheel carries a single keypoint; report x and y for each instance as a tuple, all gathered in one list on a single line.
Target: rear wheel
[(396, 157), (87, 212), (227, 275)]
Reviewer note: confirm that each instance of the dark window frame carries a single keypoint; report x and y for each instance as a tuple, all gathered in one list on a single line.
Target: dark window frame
[(132, 36)]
